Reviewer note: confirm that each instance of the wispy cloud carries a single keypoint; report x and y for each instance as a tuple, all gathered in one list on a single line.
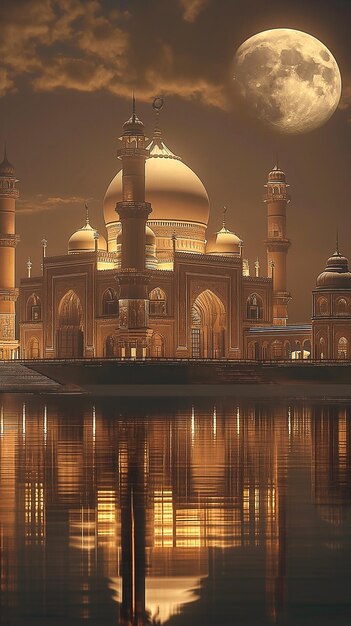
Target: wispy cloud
[(192, 8), (41, 203), (82, 46)]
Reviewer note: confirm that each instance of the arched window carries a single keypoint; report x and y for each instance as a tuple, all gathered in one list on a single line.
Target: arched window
[(287, 350), (322, 348), (158, 302), (33, 348), (254, 307), (322, 306), (343, 348), (33, 308), (109, 302), (341, 306)]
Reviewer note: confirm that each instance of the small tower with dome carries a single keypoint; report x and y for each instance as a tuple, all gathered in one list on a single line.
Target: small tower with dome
[(331, 315), (8, 242)]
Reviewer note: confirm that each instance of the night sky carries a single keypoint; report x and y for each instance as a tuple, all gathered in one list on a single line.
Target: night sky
[(67, 72)]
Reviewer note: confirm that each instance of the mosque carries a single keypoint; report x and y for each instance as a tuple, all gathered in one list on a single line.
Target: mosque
[(159, 285)]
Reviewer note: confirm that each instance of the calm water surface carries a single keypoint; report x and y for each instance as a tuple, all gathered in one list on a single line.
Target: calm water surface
[(179, 513)]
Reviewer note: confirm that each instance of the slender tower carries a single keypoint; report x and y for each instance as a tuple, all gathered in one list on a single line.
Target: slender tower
[(134, 334), (277, 199), (8, 243)]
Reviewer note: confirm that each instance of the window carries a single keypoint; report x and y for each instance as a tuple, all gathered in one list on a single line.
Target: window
[(341, 307), (109, 303), (322, 306), (254, 308), (195, 342), (158, 302), (33, 308), (342, 348)]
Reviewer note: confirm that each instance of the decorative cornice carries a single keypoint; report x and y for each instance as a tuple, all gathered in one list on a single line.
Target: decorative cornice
[(133, 209), (9, 241), (8, 295)]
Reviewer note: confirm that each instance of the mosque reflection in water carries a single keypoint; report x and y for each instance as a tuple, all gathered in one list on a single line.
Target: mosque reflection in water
[(114, 517)]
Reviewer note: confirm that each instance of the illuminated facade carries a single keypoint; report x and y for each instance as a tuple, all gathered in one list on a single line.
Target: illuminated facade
[(157, 287)]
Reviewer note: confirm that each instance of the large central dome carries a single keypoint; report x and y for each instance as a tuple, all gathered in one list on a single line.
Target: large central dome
[(179, 200)]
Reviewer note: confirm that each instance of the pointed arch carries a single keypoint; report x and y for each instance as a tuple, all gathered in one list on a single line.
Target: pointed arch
[(254, 307), (109, 302), (33, 308), (33, 348), (208, 324), (158, 346), (343, 348), (70, 337), (158, 302)]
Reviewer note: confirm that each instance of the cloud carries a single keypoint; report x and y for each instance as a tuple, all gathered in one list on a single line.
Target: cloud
[(85, 46), (41, 203), (192, 8)]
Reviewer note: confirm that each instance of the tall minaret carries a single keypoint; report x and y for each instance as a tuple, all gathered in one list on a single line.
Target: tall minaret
[(134, 334), (277, 199), (8, 243)]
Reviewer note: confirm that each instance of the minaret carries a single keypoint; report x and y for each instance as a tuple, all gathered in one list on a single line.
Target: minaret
[(8, 243), (277, 199), (134, 334)]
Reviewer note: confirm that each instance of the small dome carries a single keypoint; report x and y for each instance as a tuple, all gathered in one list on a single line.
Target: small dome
[(83, 240), (224, 242), (133, 126), (336, 274), (277, 175)]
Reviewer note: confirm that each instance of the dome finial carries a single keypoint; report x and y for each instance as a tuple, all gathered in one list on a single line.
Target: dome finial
[(133, 111), (337, 251), (86, 215), (157, 105), (223, 217)]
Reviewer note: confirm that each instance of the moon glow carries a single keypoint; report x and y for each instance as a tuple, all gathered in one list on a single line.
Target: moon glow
[(288, 79)]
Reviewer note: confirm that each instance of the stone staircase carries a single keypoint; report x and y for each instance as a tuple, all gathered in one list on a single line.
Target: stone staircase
[(15, 377)]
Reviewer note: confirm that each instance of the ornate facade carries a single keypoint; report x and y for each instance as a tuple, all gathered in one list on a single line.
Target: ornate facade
[(159, 286)]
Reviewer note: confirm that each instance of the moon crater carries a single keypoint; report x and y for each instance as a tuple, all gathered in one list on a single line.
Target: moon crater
[(288, 79)]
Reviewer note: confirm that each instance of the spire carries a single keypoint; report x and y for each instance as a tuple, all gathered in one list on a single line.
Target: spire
[(87, 215), (133, 126), (6, 168), (223, 218)]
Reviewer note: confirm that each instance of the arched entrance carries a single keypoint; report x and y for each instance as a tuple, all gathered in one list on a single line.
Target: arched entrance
[(157, 346), (208, 326), (70, 327), (33, 348)]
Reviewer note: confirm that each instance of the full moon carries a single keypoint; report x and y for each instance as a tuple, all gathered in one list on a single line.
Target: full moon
[(288, 79)]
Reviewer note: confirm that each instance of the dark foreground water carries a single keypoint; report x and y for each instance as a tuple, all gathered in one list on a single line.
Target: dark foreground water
[(179, 513)]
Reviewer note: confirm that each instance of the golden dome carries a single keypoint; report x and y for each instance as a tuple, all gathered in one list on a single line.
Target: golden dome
[(176, 193), (224, 242), (83, 240)]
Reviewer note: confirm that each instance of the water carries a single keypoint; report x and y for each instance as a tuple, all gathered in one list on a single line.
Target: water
[(178, 512)]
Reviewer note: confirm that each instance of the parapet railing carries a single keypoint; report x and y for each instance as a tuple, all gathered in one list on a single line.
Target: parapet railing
[(183, 360)]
